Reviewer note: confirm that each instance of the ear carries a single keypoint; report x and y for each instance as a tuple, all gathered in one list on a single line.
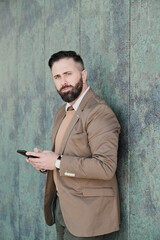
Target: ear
[(84, 76)]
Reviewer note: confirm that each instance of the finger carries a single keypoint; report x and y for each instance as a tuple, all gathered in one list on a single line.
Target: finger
[(33, 154), (35, 160), (36, 165), (37, 150), (37, 168), (46, 151)]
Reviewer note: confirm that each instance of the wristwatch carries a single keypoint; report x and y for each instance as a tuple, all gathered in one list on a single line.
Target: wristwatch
[(58, 162)]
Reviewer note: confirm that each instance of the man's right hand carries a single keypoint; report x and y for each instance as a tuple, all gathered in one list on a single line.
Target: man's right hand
[(36, 150)]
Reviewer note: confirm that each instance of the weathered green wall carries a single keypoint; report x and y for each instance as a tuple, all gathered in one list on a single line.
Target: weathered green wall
[(120, 43)]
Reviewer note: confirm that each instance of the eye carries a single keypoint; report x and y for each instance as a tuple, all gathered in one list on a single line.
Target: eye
[(69, 73), (56, 77)]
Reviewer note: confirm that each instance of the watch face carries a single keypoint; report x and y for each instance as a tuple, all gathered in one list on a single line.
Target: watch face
[(57, 163)]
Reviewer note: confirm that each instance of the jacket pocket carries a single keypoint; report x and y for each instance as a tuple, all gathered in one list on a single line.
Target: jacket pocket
[(95, 192)]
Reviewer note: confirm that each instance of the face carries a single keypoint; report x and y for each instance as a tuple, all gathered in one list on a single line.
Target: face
[(69, 79)]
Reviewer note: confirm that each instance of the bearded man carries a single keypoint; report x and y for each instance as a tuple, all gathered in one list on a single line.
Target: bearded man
[(81, 194)]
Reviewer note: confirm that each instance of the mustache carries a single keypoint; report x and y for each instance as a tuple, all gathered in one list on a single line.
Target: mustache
[(66, 86)]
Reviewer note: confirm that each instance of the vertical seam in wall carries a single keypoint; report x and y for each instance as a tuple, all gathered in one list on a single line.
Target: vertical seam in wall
[(44, 69), (44, 49), (17, 52), (17, 58), (79, 27), (129, 96)]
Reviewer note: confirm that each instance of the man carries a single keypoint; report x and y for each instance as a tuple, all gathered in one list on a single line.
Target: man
[(81, 194)]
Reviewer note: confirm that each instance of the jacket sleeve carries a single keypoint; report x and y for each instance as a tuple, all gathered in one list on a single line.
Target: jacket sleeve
[(103, 131)]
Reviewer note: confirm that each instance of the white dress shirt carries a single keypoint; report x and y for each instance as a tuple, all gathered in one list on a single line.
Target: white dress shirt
[(77, 103)]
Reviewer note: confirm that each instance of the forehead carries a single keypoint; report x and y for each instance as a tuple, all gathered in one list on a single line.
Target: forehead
[(64, 65)]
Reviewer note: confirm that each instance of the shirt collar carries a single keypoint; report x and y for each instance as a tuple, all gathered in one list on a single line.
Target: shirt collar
[(77, 103)]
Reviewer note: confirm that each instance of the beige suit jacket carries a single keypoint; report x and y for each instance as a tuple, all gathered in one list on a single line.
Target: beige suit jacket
[(87, 184)]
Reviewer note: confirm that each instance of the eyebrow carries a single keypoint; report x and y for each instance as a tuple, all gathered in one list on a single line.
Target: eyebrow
[(62, 73)]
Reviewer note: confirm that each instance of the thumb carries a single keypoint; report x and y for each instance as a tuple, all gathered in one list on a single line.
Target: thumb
[(37, 150)]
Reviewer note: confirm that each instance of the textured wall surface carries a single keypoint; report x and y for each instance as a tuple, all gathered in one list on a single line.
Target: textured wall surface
[(119, 42)]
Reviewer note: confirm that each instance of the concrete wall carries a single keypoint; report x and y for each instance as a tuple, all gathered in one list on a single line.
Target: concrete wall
[(119, 41)]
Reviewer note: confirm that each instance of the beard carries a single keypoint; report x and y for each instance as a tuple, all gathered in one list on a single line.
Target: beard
[(72, 94)]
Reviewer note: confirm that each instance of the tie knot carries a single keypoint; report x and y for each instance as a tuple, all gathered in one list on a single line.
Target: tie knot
[(70, 108)]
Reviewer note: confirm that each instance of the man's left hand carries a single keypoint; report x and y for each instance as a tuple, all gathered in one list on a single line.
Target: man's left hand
[(46, 160)]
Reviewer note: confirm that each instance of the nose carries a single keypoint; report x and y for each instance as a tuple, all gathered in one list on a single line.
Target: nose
[(63, 80)]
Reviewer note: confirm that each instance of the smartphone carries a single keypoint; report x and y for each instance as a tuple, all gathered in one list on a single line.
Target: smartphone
[(23, 152)]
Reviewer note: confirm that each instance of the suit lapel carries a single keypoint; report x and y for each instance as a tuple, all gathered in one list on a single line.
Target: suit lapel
[(57, 124), (68, 131), (74, 120)]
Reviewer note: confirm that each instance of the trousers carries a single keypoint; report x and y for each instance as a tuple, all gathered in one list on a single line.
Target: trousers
[(62, 231)]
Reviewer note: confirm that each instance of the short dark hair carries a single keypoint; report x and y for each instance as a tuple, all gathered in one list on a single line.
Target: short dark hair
[(65, 54)]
